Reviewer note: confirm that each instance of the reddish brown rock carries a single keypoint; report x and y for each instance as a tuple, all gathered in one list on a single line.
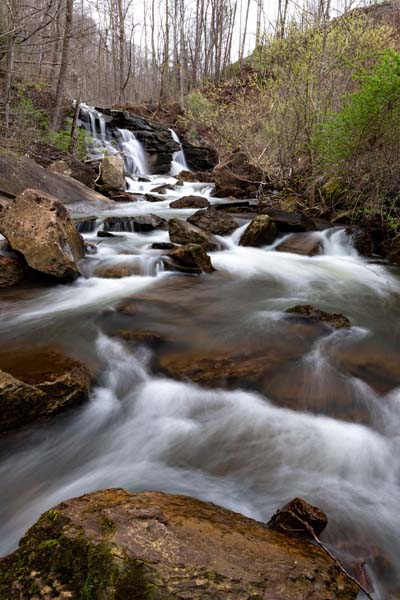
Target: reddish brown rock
[(305, 244), (182, 232), (309, 312), (191, 258), (298, 518), (213, 221), (41, 229), (190, 202), (156, 546), (12, 270), (39, 382)]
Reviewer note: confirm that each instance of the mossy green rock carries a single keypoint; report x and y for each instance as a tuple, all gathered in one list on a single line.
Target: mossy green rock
[(114, 545)]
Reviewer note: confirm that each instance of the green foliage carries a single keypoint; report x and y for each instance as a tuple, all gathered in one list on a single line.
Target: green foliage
[(27, 116), (369, 118), (62, 139)]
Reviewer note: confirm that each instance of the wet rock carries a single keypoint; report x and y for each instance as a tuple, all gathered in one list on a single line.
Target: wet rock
[(151, 339), (18, 173), (213, 221), (122, 545), (237, 177), (260, 232), (190, 202), (153, 198), (12, 270), (361, 239), (117, 271), (305, 244), (191, 258), (72, 168), (199, 158), (162, 246), (39, 382), (182, 232), (162, 189), (193, 177), (122, 197), (297, 518), (41, 229), (309, 312), (140, 223), (112, 177), (288, 222), (106, 234)]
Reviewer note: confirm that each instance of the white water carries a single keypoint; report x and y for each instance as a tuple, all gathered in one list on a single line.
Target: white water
[(179, 162), (240, 449)]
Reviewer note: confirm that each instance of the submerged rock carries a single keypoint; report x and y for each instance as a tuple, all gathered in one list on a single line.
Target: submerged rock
[(305, 244), (41, 229), (182, 232), (39, 382), (190, 202), (118, 545), (309, 312), (213, 221), (191, 258), (260, 232), (12, 270)]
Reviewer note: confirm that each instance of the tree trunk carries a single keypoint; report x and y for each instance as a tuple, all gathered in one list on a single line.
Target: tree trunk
[(63, 74)]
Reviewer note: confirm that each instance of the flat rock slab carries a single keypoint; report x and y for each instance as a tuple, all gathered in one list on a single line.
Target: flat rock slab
[(17, 173), (158, 546)]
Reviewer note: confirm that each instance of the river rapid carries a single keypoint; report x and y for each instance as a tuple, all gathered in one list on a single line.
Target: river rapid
[(246, 450)]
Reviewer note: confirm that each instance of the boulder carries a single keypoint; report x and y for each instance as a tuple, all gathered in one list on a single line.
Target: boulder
[(298, 518), (288, 222), (39, 382), (182, 232), (162, 189), (113, 544), (238, 177), (310, 313), (122, 197), (305, 244), (361, 239), (190, 202), (260, 232), (12, 270), (213, 221), (41, 229), (139, 223), (191, 258), (199, 158), (83, 173), (153, 198), (18, 173), (112, 177), (193, 176)]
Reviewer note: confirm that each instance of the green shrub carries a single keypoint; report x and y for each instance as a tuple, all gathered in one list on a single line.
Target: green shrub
[(62, 139)]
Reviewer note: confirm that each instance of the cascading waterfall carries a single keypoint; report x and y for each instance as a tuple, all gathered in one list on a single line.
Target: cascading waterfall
[(116, 141), (178, 160)]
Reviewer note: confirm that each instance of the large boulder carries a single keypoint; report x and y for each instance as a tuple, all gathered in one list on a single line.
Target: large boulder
[(238, 177), (12, 270), (112, 177), (39, 382), (288, 222), (113, 544), (18, 173), (182, 232), (41, 229), (190, 202), (213, 221), (260, 232), (191, 258)]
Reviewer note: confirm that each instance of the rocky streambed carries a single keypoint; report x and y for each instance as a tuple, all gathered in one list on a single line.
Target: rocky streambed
[(224, 349)]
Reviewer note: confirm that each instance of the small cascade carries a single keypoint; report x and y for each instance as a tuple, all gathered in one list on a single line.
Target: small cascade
[(178, 160), (113, 141), (133, 153)]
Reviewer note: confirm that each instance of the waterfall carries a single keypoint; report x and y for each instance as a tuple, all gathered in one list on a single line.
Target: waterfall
[(178, 160), (133, 153), (113, 141)]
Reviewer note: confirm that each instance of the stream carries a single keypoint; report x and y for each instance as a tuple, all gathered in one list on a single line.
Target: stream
[(248, 450)]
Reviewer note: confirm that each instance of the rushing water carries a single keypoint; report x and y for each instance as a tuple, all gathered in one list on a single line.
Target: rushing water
[(250, 451)]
